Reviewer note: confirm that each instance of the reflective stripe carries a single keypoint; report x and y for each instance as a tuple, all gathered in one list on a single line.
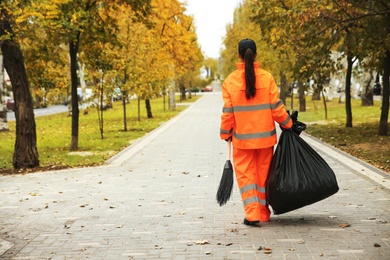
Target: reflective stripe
[(254, 135), (261, 189), (250, 187), (251, 108), (285, 122), (227, 110), (254, 200), (274, 106), (222, 131)]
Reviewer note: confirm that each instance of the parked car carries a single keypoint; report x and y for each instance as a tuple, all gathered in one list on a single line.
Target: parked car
[(208, 89), (377, 89), (10, 105)]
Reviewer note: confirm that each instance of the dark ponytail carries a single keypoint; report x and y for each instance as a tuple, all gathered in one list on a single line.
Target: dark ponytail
[(250, 77)]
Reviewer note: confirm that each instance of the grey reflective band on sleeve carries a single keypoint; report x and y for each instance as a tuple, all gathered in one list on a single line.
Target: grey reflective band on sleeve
[(274, 106), (222, 131), (227, 110), (285, 122)]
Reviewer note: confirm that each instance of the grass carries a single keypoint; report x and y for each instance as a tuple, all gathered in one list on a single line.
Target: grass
[(361, 140), (54, 135)]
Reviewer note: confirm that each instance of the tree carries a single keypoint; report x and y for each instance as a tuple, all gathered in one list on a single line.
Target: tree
[(76, 19), (356, 29), (177, 36), (25, 152), (367, 32)]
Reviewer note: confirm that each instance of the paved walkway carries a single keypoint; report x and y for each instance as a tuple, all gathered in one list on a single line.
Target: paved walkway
[(156, 200)]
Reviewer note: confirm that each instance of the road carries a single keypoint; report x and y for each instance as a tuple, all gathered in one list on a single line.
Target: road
[(41, 111)]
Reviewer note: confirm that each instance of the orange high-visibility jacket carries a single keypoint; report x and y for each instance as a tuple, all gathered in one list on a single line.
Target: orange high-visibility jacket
[(251, 121)]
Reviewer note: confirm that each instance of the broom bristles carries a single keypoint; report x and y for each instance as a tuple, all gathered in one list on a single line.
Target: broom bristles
[(226, 184)]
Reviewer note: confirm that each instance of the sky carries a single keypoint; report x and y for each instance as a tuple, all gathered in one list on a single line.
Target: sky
[(211, 18)]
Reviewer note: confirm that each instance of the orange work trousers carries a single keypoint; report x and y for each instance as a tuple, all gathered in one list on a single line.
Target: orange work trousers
[(251, 168)]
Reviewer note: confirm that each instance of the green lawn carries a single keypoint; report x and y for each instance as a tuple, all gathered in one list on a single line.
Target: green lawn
[(54, 134), (361, 141)]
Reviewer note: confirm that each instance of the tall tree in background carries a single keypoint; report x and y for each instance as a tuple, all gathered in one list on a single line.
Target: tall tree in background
[(355, 29), (25, 152), (75, 19)]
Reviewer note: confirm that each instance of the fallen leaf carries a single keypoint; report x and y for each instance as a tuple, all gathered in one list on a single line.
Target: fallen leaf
[(344, 225), (233, 230), (377, 245), (229, 244), (185, 173), (202, 242)]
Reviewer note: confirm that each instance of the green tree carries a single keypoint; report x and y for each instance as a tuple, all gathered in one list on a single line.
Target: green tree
[(74, 20), (25, 152)]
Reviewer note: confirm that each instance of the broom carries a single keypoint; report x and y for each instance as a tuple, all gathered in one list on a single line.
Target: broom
[(226, 184)]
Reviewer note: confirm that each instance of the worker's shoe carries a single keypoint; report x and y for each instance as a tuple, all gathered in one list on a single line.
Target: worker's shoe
[(255, 223)]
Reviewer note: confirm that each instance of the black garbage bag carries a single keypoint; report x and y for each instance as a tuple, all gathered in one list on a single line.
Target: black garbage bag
[(298, 175), (297, 126)]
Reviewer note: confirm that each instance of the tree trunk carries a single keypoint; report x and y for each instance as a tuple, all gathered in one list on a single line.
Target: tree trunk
[(124, 94), (25, 152), (73, 50), (316, 94), (283, 87), (102, 108), (383, 122), (325, 106), (367, 94), (348, 108), (3, 108), (148, 108), (302, 97), (139, 109)]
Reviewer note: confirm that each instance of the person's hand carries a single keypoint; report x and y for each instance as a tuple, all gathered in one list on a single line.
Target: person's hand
[(287, 129), (229, 139)]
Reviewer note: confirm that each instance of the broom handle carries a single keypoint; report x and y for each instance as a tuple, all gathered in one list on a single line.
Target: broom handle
[(229, 148)]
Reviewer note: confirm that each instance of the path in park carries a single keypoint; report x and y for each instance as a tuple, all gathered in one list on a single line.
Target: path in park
[(156, 200)]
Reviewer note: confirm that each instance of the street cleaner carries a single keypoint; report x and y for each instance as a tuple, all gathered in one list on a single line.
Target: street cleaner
[(251, 107)]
